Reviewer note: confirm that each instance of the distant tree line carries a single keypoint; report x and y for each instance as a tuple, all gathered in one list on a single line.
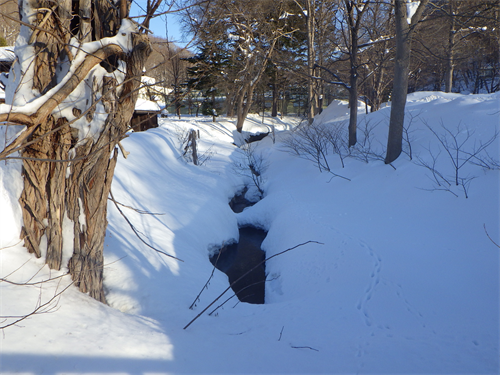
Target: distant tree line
[(319, 50)]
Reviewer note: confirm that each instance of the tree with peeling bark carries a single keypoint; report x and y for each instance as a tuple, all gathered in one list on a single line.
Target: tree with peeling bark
[(407, 15), (69, 100)]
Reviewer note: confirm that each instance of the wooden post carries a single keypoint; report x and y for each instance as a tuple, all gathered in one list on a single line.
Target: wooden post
[(192, 141)]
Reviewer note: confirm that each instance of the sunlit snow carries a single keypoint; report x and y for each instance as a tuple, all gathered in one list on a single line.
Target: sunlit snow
[(405, 279)]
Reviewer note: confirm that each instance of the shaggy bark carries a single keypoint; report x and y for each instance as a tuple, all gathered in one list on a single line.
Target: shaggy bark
[(60, 185)]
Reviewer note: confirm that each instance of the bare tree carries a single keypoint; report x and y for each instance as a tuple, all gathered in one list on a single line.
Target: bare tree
[(177, 70), (251, 30), (80, 96), (255, 38), (378, 53), (312, 98), (459, 27), (354, 11), (405, 28), (350, 21), (462, 149)]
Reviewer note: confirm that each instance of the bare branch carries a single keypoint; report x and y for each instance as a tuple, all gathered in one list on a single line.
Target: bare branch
[(235, 281), (136, 232), (50, 104), (41, 308), (491, 239)]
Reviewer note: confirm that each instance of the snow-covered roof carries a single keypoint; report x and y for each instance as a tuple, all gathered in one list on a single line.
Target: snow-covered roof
[(7, 54), (146, 105)]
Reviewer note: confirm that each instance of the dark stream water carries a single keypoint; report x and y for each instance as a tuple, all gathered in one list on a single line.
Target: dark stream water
[(237, 259)]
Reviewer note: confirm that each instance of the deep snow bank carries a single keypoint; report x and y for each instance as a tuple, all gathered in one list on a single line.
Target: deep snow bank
[(406, 280)]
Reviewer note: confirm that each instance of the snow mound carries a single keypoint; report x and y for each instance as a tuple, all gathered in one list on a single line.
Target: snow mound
[(385, 273)]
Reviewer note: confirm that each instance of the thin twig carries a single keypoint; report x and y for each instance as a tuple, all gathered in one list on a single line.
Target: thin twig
[(142, 212), (491, 239), (208, 281), (137, 233), (238, 279), (38, 310), (10, 246), (305, 347), (281, 333), (239, 291), (2, 279)]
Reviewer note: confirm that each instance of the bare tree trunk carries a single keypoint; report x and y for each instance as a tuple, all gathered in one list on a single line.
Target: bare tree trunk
[(213, 105), (448, 74), (404, 32), (286, 101), (355, 12), (245, 96), (194, 149), (398, 97), (43, 221), (243, 106), (91, 178), (377, 90), (311, 59), (229, 102), (353, 93), (274, 108)]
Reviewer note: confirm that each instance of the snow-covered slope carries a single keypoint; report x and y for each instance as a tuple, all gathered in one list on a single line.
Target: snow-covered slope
[(405, 279)]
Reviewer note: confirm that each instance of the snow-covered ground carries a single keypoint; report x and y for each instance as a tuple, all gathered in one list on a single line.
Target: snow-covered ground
[(405, 279)]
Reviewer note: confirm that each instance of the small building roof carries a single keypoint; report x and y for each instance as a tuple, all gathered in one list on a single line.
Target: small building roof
[(143, 105)]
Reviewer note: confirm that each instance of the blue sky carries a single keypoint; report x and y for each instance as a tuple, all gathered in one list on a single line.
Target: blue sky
[(159, 24)]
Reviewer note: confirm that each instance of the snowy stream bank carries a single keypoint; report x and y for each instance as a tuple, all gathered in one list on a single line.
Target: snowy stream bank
[(405, 283), (238, 260)]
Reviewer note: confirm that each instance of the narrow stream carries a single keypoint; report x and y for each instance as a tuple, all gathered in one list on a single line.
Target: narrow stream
[(237, 259)]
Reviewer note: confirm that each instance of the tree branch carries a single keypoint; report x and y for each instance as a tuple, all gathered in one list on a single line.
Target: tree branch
[(137, 233), (34, 120), (242, 276)]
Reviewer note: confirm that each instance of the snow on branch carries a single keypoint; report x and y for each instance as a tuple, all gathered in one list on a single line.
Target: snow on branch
[(411, 9), (59, 93), (89, 56), (378, 40)]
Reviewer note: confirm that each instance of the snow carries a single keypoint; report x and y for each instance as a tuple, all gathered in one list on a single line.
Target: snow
[(146, 105), (24, 99), (405, 279), (148, 81), (7, 54), (411, 8)]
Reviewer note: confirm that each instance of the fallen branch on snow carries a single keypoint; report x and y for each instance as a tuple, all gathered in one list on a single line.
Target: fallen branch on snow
[(242, 276)]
